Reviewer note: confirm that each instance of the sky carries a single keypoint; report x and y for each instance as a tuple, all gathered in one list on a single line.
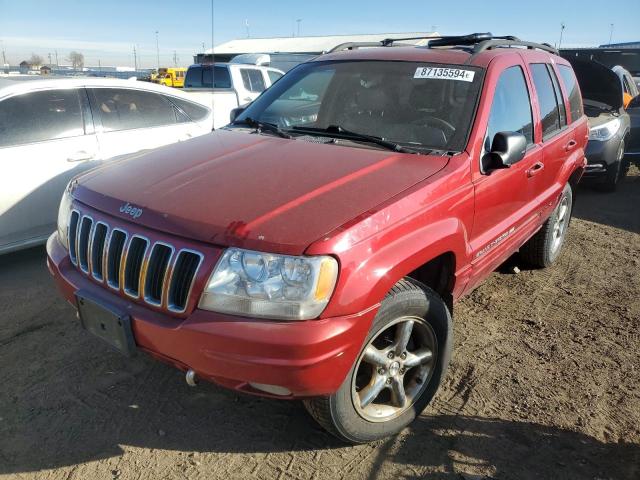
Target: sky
[(106, 31)]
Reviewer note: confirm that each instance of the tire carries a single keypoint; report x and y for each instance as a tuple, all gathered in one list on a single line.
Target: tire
[(544, 247), (615, 172), (343, 414)]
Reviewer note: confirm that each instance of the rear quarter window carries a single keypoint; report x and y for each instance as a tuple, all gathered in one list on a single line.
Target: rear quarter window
[(571, 86), (194, 111)]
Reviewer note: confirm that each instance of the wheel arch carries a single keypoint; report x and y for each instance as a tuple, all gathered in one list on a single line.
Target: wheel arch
[(434, 255)]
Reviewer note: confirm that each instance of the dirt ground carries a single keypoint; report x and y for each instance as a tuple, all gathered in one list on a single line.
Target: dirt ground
[(545, 383)]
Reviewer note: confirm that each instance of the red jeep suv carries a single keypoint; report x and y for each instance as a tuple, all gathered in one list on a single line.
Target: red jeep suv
[(313, 248)]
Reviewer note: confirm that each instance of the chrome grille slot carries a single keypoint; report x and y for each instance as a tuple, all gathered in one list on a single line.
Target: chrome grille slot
[(72, 235), (114, 257), (97, 250), (133, 265), (83, 243), (150, 271), (156, 273), (184, 272)]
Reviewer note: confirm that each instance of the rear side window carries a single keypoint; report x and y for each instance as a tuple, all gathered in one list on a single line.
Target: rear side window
[(274, 76), (40, 116), (124, 109), (511, 108), (194, 112), (571, 86), (547, 100), (562, 110), (252, 79)]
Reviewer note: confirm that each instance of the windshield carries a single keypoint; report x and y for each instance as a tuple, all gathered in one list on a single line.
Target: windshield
[(408, 103)]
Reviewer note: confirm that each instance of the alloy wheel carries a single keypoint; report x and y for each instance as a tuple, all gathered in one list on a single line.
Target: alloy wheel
[(394, 369)]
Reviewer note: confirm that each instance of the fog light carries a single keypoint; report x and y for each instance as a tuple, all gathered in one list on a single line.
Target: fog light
[(272, 389)]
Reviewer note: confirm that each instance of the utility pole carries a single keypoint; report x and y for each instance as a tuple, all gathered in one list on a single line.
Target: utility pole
[(175, 59), (611, 34), (4, 54), (157, 51), (57, 64), (49, 55), (299, 21), (246, 24), (99, 66), (135, 59), (562, 27)]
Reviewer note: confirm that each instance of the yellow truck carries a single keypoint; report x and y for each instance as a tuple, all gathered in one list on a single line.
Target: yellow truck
[(171, 77)]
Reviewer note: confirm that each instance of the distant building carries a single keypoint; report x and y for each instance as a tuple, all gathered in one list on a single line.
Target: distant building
[(25, 66), (45, 70), (621, 45), (303, 46)]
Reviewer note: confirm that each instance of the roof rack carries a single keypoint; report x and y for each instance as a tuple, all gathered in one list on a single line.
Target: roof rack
[(476, 43)]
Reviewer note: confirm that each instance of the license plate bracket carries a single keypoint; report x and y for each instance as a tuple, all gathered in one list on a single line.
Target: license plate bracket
[(106, 322)]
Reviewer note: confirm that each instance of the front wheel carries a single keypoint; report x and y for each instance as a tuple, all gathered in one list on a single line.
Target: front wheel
[(544, 247), (398, 370)]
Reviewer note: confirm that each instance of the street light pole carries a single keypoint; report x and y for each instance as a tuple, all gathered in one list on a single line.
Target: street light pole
[(610, 34), (562, 27), (135, 59), (299, 21), (157, 51)]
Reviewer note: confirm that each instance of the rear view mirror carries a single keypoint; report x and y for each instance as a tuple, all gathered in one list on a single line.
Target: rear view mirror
[(507, 148)]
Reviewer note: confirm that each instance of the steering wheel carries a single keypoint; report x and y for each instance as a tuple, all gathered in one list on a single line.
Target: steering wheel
[(447, 129)]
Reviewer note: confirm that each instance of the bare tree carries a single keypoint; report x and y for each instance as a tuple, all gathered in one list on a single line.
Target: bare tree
[(36, 60), (77, 60)]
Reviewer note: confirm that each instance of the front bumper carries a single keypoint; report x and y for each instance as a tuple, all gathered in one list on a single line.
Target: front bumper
[(600, 157), (307, 358)]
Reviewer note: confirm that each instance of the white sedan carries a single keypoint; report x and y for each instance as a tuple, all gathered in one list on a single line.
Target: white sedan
[(53, 129)]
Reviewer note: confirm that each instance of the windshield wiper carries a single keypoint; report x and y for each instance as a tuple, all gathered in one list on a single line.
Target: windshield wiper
[(348, 134), (262, 126)]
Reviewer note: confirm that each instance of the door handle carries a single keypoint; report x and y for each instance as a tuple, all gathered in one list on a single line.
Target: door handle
[(537, 168), (569, 146), (79, 156)]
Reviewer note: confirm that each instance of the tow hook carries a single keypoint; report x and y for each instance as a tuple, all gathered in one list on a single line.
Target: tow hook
[(191, 378)]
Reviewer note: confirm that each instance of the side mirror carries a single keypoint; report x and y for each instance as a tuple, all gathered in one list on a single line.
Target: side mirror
[(507, 148), (235, 113)]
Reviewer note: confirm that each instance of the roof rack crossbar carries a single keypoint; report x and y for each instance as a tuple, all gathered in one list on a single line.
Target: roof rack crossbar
[(507, 42)]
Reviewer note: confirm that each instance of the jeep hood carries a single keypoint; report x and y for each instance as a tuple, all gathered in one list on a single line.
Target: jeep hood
[(598, 83), (255, 191)]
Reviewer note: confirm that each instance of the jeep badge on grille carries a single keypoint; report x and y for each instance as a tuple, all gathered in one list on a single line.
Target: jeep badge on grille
[(131, 210)]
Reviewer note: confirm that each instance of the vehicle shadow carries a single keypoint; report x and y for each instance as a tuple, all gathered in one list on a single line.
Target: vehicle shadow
[(618, 209), (67, 399)]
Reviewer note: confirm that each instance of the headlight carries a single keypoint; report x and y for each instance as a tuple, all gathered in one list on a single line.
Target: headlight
[(605, 131), (263, 285), (64, 214)]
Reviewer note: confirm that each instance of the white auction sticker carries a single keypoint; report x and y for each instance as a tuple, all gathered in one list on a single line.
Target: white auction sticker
[(445, 73)]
